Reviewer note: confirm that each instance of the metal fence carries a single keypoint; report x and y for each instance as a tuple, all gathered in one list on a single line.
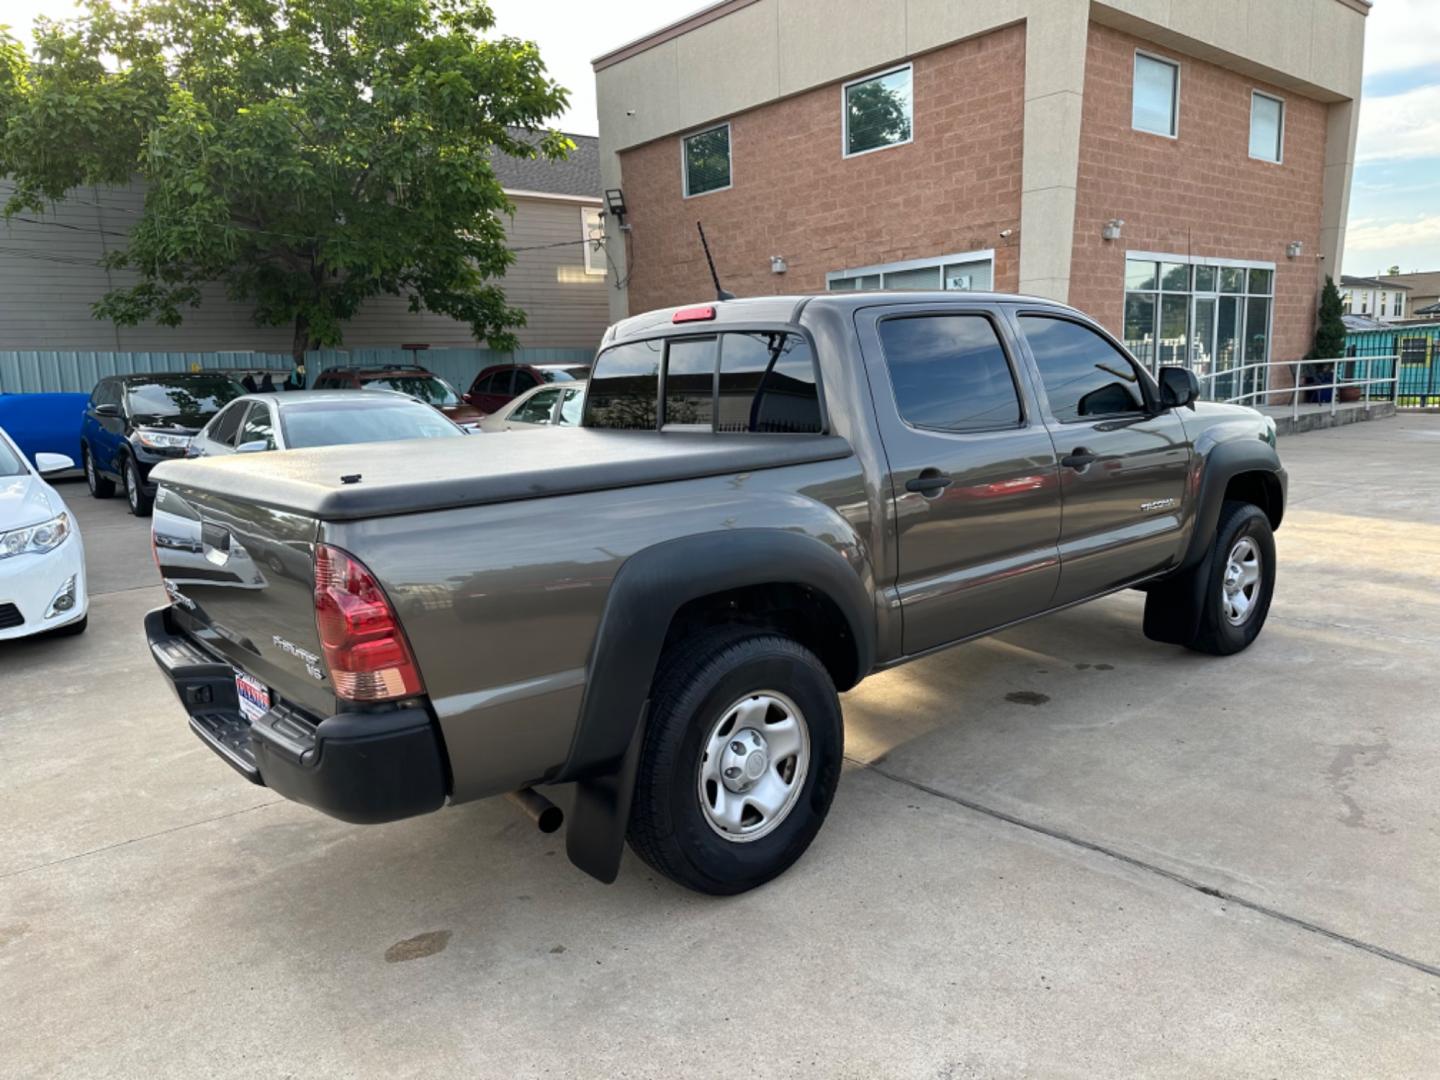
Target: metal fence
[(1361, 381), (1413, 356), (32, 372)]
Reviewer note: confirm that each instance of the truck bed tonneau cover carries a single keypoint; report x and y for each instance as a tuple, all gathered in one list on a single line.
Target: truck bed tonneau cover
[(432, 474)]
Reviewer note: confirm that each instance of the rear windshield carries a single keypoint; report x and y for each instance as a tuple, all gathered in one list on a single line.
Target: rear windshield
[(192, 399), (322, 423), (765, 382), (430, 389), (550, 374)]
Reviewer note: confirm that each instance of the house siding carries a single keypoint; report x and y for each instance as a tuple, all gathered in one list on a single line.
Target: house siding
[(49, 278)]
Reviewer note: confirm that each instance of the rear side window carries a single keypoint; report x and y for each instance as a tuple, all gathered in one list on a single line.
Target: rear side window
[(625, 386), (949, 373), (258, 427), (1085, 377), (767, 384)]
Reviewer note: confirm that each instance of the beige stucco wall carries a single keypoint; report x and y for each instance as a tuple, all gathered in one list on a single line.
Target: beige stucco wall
[(767, 49)]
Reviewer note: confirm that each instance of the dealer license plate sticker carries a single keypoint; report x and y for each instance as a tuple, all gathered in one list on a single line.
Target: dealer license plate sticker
[(253, 695)]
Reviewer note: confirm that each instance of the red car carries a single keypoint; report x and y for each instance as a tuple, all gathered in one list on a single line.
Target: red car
[(499, 384), (411, 379)]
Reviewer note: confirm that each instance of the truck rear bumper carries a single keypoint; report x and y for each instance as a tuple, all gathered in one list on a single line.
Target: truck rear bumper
[(360, 767)]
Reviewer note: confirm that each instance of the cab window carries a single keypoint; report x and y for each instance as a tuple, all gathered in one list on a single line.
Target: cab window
[(1085, 377)]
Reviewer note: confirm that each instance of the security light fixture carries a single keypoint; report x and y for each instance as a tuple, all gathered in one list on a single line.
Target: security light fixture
[(1294, 249), (1111, 229), (615, 203), (778, 264)]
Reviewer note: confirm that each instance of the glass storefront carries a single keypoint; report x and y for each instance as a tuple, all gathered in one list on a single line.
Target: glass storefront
[(1211, 318), (970, 272)]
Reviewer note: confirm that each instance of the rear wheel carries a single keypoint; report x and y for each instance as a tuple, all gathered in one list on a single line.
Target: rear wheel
[(741, 759), (140, 503), (101, 487)]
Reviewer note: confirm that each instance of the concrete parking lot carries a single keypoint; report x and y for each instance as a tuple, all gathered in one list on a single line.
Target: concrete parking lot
[(1063, 851)]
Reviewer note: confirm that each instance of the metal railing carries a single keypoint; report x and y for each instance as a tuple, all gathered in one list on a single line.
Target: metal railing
[(1319, 393)]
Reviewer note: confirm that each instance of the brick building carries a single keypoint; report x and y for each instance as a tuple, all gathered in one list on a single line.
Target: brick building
[(1179, 170)]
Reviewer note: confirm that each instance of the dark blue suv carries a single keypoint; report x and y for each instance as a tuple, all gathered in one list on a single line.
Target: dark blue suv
[(133, 422)]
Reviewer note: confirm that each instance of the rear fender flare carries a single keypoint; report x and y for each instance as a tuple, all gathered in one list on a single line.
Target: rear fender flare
[(647, 592)]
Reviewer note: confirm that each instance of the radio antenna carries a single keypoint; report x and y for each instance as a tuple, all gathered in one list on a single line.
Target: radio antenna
[(720, 294)]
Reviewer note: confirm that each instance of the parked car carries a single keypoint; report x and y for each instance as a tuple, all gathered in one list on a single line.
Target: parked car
[(661, 606), (42, 560), (305, 418), (410, 379), (498, 385), (547, 405), (134, 422)]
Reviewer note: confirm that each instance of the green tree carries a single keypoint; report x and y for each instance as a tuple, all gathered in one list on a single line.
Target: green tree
[(1330, 330), (308, 154)]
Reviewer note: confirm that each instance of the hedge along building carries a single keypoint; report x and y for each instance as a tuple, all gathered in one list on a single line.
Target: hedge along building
[(1180, 170)]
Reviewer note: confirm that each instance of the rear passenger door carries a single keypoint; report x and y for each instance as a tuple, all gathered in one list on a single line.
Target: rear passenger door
[(1123, 462), (972, 470), (491, 393)]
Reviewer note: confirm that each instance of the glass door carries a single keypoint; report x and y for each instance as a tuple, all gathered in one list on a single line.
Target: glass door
[(1229, 347), (1202, 342)]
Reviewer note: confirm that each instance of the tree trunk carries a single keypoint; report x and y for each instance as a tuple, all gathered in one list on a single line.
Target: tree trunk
[(301, 341)]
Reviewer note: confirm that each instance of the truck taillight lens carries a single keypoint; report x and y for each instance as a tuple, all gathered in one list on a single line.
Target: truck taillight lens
[(365, 649)]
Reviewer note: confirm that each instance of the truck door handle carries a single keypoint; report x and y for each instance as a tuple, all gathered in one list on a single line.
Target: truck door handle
[(1078, 459), (930, 482)]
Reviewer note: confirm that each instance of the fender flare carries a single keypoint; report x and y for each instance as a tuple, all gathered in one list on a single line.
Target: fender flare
[(1173, 606), (647, 592)]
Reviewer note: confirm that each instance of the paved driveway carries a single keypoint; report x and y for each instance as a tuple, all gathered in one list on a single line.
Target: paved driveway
[(1064, 851)]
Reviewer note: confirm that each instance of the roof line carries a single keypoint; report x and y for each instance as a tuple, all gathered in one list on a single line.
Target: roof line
[(693, 21)]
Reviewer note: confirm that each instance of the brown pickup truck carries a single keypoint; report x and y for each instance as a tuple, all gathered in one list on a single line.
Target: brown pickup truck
[(767, 501)]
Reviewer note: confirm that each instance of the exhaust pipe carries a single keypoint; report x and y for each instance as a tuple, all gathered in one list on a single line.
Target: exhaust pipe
[(547, 816)]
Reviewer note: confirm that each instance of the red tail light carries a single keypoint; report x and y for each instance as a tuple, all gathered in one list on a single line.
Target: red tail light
[(365, 649), (694, 314)]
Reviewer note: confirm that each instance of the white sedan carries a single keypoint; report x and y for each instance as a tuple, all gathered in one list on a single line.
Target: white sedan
[(547, 405), (42, 562)]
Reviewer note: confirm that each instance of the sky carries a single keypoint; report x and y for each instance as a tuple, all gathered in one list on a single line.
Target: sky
[(1395, 197)]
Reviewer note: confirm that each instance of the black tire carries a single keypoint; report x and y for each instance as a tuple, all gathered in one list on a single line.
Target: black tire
[(1217, 634), (696, 681), (140, 503), (101, 487)]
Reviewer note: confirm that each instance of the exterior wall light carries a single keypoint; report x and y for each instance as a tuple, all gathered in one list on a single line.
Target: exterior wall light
[(778, 264), (1294, 249), (1111, 229), (615, 203)]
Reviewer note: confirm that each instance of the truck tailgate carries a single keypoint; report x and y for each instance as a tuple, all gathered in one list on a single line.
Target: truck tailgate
[(241, 578)]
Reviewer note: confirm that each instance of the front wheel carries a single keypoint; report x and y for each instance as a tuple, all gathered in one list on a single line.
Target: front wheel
[(1241, 581), (741, 759)]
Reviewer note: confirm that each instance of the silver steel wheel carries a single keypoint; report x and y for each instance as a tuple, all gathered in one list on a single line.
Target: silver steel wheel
[(132, 485), (90, 476), (753, 766), (1241, 584)]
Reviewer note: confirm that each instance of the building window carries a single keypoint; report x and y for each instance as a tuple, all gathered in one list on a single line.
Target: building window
[(971, 271), (1399, 306), (879, 111), (707, 160), (1208, 315), (592, 230), (1156, 104), (1345, 302), (1267, 127), (1384, 299)]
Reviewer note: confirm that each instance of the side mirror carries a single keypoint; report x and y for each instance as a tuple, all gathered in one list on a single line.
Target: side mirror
[(53, 463), (465, 397), (1179, 388), (254, 446), (108, 409)]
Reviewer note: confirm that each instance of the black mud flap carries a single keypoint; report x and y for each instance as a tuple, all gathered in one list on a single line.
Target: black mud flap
[(595, 832), (1173, 607)]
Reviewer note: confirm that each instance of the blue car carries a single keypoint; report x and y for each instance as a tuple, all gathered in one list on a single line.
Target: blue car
[(134, 422)]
